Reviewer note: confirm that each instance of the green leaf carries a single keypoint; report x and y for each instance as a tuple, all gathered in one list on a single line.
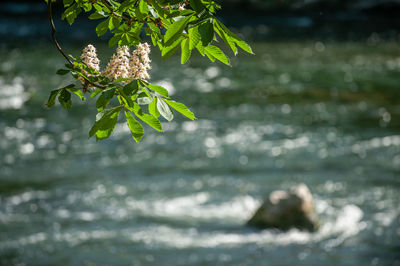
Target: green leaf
[(158, 8), (62, 71), (150, 33), (185, 51), (154, 29), (104, 99), (65, 99), (95, 92), (159, 89), (185, 12), (100, 8), (164, 110), (143, 99), (179, 13), (181, 108), (123, 28), (72, 13), (125, 40), (114, 22), (233, 37), (67, 2), (97, 15), (209, 55), (173, 14), (125, 5), (228, 40), (136, 128), (206, 31), (148, 119), (200, 48), (127, 99), (217, 53), (131, 88), (194, 37), (243, 45), (212, 6), (153, 108), (105, 123), (114, 40), (118, 80), (169, 50), (175, 30), (87, 6), (148, 92), (144, 9), (69, 66), (77, 92), (52, 98), (102, 28), (197, 5)]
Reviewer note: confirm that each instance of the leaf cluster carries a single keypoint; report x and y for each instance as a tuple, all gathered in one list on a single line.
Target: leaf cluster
[(170, 24), (139, 99)]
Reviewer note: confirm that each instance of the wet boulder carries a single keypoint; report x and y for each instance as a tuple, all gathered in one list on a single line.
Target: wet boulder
[(287, 209)]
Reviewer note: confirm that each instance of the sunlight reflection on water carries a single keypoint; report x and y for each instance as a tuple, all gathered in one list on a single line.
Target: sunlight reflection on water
[(186, 194)]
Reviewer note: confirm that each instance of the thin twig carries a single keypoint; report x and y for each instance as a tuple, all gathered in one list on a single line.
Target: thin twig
[(53, 36), (87, 81), (53, 32), (112, 10)]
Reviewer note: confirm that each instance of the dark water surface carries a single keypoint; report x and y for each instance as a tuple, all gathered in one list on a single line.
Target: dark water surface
[(323, 113)]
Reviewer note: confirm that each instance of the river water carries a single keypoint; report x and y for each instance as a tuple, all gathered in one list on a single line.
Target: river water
[(326, 114)]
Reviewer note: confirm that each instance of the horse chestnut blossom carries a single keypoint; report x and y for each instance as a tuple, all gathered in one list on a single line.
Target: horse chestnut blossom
[(122, 64), (139, 62), (118, 67), (89, 57)]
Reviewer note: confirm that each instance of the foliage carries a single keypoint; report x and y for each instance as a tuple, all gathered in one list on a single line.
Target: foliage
[(170, 24)]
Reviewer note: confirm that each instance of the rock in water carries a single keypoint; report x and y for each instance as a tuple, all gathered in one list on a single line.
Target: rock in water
[(287, 209)]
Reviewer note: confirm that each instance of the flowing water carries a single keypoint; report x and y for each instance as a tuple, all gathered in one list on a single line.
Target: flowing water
[(326, 114)]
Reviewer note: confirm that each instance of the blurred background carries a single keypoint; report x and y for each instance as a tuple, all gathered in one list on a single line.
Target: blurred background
[(318, 104)]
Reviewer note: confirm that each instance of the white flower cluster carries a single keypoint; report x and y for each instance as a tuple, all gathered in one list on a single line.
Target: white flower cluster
[(118, 67), (89, 57), (139, 62), (122, 64)]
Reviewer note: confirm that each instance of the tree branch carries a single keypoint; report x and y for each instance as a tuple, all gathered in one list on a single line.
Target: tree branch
[(53, 36), (53, 32)]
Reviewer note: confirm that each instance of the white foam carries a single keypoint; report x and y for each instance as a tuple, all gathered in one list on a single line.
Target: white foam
[(348, 223), (341, 225), (197, 206)]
